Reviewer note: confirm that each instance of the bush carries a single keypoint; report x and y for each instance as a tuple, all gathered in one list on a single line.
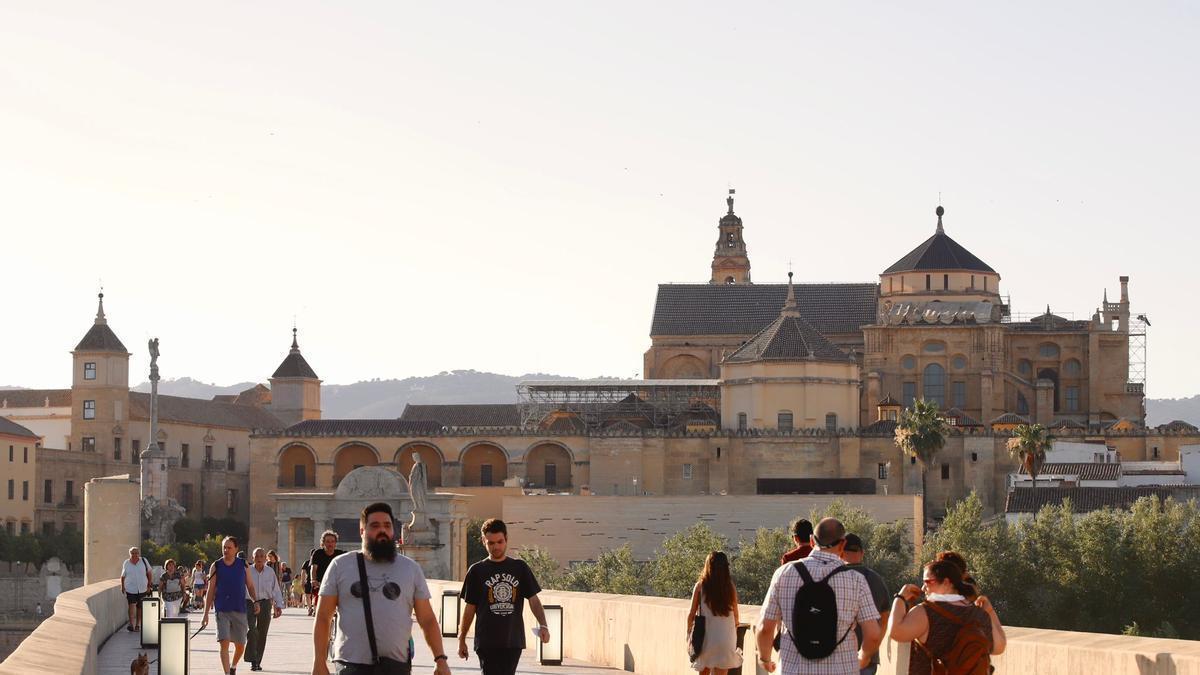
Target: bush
[(476, 551), (615, 571), (675, 568), (756, 561), (544, 567)]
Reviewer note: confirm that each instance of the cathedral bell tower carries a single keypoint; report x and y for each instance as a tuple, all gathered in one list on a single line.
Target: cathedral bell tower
[(730, 263)]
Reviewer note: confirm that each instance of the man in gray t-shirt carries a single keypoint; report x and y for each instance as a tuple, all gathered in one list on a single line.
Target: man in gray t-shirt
[(397, 591)]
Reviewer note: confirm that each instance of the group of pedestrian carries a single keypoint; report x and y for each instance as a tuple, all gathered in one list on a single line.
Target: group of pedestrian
[(814, 603)]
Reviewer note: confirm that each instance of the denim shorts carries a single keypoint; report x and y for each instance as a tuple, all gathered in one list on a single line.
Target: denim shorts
[(232, 627)]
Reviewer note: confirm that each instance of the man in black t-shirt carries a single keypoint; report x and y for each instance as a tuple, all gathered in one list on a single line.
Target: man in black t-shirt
[(495, 591), (320, 558)]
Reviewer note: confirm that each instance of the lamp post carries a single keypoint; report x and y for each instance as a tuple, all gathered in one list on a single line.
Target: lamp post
[(551, 653), (451, 604), (151, 608), (175, 648)]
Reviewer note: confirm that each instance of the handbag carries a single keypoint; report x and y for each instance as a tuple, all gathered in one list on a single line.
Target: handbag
[(696, 639), (379, 666)]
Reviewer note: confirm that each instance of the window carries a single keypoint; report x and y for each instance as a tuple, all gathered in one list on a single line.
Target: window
[(551, 475), (1022, 404), (974, 456), (909, 394), (70, 495), (299, 476), (831, 422), (1154, 452), (742, 421), (785, 421), (883, 471), (934, 348), (48, 528), (985, 283), (1024, 367), (208, 456), (687, 471), (89, 410), (959, 394), (24, 490), (928, 284), (959, 363), (89, 370), (231, 500), (1048, 350), (135, 450), (12, 489), (972, 281), (48, 491), (10, 453), (24, 528), (185, 495), (945, 472), (945, 282), (1072, 399), (934, 385), (230, 458), (25, 455), (485, 475), (1072, 368), (908, 363), (184, 455), (116, 447), (89, 443)]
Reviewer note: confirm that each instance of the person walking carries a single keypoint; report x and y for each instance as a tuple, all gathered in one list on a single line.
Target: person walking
[(319, 560), (285, 582), (853, 553), (375, 626), (307, 588), (228, 582), (802, 531), (831, 599), (267, 593), (135, 582), (495, 590), (198, 584), (170, 588), (947, 627), (714, 598)]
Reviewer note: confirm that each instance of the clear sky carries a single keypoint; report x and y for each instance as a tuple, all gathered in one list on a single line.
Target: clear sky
[(500, 186)]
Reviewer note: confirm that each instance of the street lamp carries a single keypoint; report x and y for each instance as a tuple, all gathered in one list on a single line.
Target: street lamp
[(450, 613), (551, 653), (175, 648), (150, 620)]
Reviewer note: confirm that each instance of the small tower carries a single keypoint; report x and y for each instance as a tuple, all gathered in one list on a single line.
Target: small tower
[(100, 391), (295, 388), (730, 264)]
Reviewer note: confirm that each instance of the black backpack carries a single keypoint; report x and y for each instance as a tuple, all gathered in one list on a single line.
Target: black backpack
[(815, 616)]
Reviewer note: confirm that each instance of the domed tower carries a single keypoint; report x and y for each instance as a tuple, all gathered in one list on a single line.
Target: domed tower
[(295, 388), (100, 391), (730, 264), (940, 269)]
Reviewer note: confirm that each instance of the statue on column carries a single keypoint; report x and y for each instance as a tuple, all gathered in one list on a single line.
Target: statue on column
[(418, 491)]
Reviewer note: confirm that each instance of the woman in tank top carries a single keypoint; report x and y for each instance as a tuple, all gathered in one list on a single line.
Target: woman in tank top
[(929, 625), (715, 598), (198, 585), (170, 586)]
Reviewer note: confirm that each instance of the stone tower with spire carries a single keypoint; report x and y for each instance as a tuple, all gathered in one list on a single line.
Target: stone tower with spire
[(295, 388), (731, 264), (100, 391)]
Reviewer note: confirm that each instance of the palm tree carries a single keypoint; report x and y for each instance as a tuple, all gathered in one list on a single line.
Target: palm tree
[(1029, 444), (921, 433)]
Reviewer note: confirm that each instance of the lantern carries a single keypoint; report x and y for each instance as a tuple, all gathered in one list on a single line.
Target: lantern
[(551, 653)]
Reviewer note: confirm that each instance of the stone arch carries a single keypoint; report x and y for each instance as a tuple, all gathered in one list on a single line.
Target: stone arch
[(484, 463), (548, 464), (431, 455), (297, 464), (684, 367), (349, 456)]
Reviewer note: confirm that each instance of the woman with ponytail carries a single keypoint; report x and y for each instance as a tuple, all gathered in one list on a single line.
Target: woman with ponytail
[(954, 627), (715, 599)]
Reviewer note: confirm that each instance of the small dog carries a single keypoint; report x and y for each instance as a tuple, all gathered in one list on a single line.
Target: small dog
[(140, 665)]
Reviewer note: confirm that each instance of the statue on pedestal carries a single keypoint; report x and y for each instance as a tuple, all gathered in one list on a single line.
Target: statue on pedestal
[(418, 491)]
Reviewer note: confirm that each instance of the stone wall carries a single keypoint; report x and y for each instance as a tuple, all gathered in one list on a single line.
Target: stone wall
[(23, 586), (83, 619), (574, 528)]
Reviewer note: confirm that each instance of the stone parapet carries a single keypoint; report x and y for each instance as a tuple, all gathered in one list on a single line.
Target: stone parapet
[(69, 641)]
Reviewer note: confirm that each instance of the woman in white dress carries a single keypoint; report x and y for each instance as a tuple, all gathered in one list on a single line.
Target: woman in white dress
[(715, 598)]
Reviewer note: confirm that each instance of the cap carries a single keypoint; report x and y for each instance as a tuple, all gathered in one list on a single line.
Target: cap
[(854, 543)]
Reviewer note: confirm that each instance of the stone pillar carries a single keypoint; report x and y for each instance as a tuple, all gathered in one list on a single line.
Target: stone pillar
[(111, 524), (1044, 406), (986, 411)]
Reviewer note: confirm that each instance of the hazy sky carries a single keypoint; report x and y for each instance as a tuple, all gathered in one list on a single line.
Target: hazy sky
[(501, 186)]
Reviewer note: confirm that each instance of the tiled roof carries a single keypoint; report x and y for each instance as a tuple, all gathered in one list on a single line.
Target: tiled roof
[(961, 419), (100, 338), (258, 395), (746, 309), (11, 428), (465, 414), (35, 398), (1010, 418), (203, 413), (888, 400), (294, 365), (789, 338), (880, 427), (939, 252), (1177, 425), (383, 427), (1084, 470), (1085, 499)]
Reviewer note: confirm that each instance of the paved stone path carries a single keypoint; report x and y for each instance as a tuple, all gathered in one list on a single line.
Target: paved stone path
[(289, 652)]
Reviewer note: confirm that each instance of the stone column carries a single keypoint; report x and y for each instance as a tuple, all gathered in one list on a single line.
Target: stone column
[(1044, 405), (111, 524)]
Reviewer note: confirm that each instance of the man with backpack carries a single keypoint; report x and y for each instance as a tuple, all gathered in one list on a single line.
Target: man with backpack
[(819, 601)]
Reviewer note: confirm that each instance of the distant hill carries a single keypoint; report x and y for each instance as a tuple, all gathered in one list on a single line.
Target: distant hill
[(1163, 410), (382, 398)]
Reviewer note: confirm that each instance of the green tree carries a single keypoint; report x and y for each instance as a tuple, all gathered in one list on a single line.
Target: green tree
[(679, 562), (1028, 445), (615, 571), (756, 561), (188, 530), (889, 545), (921, 433), (544, 566), (476, 551)]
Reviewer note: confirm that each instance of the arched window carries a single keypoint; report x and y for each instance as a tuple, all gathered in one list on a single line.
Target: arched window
[(831, 422), (1072, 368), (934, 389), (959, 362), (1048, 350), (742, 425), (1022, 404), (908, 363), (785, 420)]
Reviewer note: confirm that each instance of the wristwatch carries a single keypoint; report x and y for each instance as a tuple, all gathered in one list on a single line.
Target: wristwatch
[(903, 599), (440, 657)]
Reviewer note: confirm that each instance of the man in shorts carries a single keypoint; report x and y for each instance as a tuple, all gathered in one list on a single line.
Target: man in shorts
[(135, 582), (229, 581)]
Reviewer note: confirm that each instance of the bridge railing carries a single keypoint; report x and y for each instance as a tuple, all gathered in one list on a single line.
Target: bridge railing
[(68, 642)]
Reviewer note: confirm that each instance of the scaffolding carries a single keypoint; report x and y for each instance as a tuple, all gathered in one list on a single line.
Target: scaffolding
[(656, 404), (1138, 330)]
